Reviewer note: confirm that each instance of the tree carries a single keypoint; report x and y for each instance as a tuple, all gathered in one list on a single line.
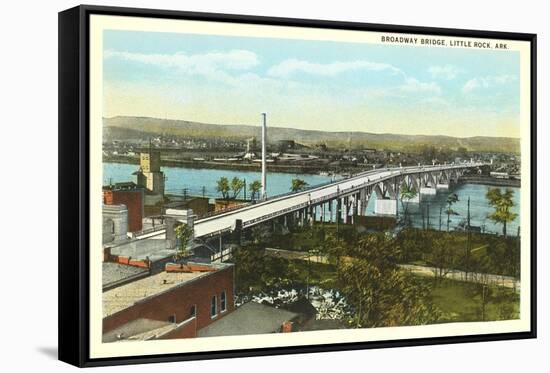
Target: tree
[(407, 193), (249, 266), (223, 187), (451, 200), (236, 186), (442, 256), (298, 185), (184, 235), (381, 293), (255, 189), (502, 203), (482, 287)]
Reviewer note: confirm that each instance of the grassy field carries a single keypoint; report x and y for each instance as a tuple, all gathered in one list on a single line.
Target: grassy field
[(460, 302)]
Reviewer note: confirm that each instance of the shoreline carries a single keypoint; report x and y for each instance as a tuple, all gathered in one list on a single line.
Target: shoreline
[(490, 181), (253, 167)]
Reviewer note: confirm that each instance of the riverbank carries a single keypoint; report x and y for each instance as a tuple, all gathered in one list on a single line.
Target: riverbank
[(313, 169), (491, 181)]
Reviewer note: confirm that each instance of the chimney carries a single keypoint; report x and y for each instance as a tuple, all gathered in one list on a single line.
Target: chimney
[(107, 254), (287, 327)]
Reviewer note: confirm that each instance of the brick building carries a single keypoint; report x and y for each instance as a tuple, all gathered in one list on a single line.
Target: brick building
[(176, 303), (132, 197)]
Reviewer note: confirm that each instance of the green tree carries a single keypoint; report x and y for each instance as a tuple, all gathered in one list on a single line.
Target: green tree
[(223, 187), (502, 203), (236, 186), (407, 193), (442, 256), (451, 200), (184, 235), (249, 266), (254, 188), (381, 293), (298, 185), (481, 267)]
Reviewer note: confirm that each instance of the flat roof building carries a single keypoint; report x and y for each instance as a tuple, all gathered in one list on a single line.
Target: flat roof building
[(188, 296)]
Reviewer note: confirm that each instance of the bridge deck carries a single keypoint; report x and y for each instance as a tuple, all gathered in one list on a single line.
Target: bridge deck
[(263, 211)]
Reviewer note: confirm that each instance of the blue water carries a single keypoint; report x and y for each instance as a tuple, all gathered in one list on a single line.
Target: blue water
[(179, 178), (479, 209), (192, 179)]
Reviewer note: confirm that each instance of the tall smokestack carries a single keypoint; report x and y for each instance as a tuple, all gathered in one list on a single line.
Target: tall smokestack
[(264, 157)]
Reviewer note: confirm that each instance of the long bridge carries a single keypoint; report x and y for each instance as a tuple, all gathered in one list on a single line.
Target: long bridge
[(341, 199)]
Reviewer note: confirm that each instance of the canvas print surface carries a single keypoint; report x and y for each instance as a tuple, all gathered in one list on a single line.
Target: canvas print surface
[(256, 183)]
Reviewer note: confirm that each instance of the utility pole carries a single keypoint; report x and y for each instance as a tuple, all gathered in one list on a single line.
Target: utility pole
[(244, 190), (423, 221), (440, 212), (203, 191), (185, 194), (428, 215)]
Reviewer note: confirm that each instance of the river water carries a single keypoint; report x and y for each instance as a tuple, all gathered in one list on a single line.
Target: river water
[(203, 181)]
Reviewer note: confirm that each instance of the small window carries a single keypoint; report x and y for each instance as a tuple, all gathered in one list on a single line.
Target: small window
[(213, 306), (223, 302), (193, 312), (172, 318)]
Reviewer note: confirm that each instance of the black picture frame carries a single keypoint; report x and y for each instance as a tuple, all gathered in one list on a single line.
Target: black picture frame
[(74, 129)]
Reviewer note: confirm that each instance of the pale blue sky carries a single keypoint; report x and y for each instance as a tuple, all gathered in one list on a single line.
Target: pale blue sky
[(312, 84)]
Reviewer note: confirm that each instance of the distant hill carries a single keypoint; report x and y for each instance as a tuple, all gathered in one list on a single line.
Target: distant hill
[(126, 128)]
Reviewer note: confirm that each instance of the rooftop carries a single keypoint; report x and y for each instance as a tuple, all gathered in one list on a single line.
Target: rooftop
[(143, 248), (250, 318), (128, 185), (114, 273), (124, 296), (139, 329)]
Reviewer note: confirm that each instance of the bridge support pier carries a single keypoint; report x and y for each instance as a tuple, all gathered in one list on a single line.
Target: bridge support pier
[(354, 206), (415, 199), (363, 201), (338, 210), (428, 191), (385, 207), (345, 211), (443, 186)]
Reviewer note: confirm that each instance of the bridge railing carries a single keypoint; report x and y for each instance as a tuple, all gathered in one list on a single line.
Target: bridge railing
[(353, 188), (225, 210)]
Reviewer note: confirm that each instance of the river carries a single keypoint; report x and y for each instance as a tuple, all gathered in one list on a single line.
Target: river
[(194, 179), (199, 181)]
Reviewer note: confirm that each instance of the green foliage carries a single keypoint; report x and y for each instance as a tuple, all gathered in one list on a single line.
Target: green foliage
[(381, 293), (223, 187), (236, 186), (407, 193), (502, 203), (443, 255), (461, 302), (448, 250), (451, 200), (256, 271), (184, 234), (255, 188), (298, 185)]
